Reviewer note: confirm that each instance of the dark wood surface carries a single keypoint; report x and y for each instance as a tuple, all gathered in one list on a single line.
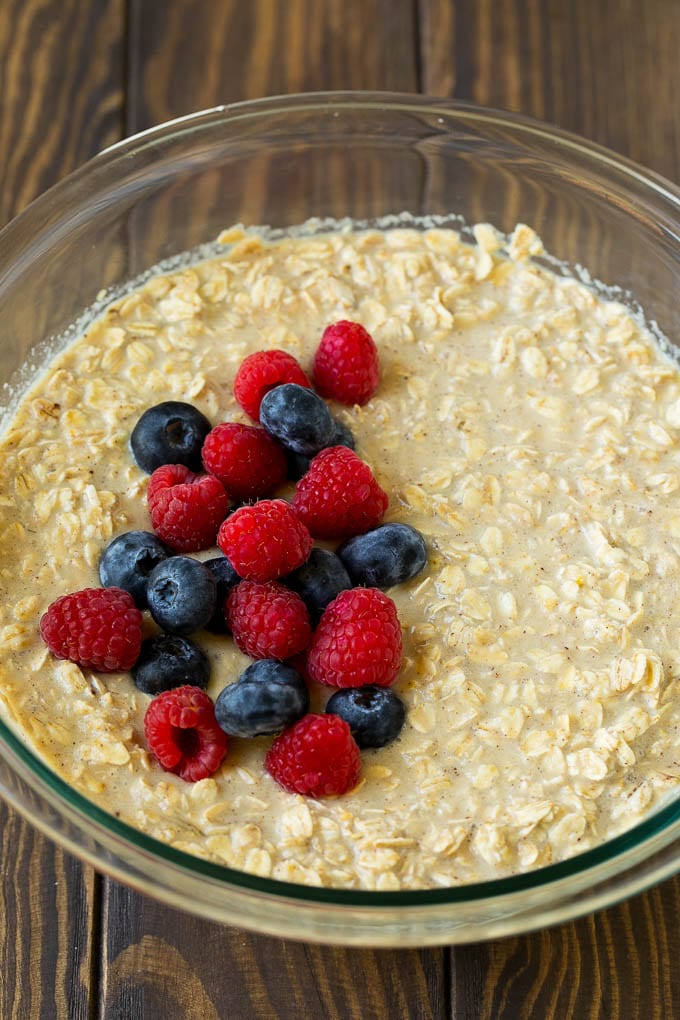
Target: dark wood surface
[(75, 76)]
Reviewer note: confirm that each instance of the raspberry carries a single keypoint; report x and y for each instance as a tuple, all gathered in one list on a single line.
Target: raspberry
[(260, 373), (183, 734), (264, 541), (357, 642), (339, 497), (186, 509), (246, 460), (268, 621), (99, 628), (317, 756), (346, 364)]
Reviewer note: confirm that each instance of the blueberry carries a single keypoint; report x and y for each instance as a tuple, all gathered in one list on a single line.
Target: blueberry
[(342, 435), (181, 594), (169, 433), (298, 465), (168, 661), (385, 556), (128, 560), (318, 581), (375, 715), (267, 697), (297, 417), (226, 578)]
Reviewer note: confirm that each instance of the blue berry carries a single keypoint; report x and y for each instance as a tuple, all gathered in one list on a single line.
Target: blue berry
[(169, 433), (318, 581), (267, 698), (298, 417), (385, 556), (128, 560), (375, 715), (181, 594), (226, 578), (167, 661), (298, 465), (342, 435)]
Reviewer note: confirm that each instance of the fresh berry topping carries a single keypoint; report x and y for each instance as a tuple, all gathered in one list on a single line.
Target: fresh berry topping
[(346, 364), (384, 556), (298, 418), (169, 433), (226, 578), (186, 509), (319, 580), (298, 465), (268, 697), (98, 628), (375, 715), (339, 497), (265, 541), (183, 734), (357, 642), (181, 594), (246, 460), (342, 435), (318, 756), (167, 661), (260, 373), (128, 560), (268, 621)]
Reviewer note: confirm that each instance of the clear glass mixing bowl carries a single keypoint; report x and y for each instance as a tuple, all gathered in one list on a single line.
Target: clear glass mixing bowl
[(279, 162)]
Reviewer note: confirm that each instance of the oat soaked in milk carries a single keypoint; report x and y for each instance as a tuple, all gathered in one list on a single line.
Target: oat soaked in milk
[(528, 428)]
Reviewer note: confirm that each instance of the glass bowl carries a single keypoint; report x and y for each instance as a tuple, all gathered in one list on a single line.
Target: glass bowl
[(279, 162)]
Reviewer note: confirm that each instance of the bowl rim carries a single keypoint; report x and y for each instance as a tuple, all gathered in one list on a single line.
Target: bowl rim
[(657, 828), (331, 102), (30, 767)]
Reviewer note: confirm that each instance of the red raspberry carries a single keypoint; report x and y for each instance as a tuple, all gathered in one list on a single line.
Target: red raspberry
[(357, 642), (265, 541), (317, 756), (183, 733), (246, 460), (268, 621), (186, 509), (339, 497), (260, 373), (346, 364), (99, 628)]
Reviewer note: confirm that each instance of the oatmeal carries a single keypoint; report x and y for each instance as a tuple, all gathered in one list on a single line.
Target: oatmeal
[(527, 427)]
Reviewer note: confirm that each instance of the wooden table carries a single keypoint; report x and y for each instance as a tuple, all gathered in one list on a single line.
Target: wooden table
[(76, 76)]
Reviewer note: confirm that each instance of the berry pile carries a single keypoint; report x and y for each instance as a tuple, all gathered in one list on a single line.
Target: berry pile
[(305, 614)]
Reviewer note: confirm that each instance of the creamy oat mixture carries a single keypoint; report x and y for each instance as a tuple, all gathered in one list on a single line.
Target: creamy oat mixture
[(528, 428)]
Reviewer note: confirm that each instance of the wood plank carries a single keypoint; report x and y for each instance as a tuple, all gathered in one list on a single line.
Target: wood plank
[(192, 54), (60, 101), (184, 57), (46, 926), (618, 964), (160, 962), (604, 70), (61, 66)]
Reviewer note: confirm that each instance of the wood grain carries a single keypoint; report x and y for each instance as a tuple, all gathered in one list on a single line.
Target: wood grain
[(61, 85), (191, 54), (159, 962), (47, 906), (614, 965), (603, 69)]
